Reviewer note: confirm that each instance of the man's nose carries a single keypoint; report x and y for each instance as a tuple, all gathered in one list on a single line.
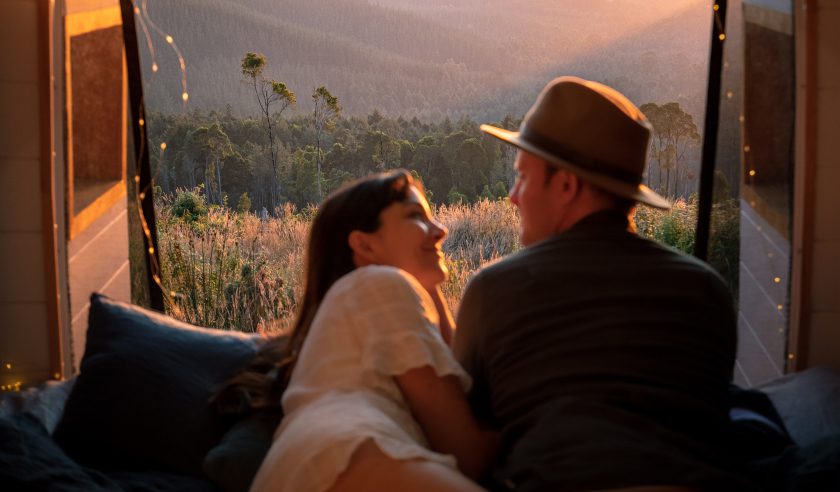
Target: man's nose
[(514, 194)]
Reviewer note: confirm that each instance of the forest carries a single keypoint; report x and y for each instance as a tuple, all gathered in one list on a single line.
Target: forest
[(279, 157)]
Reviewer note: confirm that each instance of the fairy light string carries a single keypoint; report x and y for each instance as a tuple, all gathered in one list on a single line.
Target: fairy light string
[(146, 20), (141, 193)]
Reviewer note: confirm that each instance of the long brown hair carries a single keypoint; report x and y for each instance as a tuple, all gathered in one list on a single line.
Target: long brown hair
[(355, 206)]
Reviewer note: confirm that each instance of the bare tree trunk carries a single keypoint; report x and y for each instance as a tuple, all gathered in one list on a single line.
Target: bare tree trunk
[(219, 181)]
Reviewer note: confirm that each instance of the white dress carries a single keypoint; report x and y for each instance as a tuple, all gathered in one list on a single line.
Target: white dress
[(374, 323)]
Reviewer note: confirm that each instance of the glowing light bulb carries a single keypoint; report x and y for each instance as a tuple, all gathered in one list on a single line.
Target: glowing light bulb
[(777, 280), (154, 67), (752, 172), (741, 118), (746, 148), (8, 366), (185, 96), (151, 250), (169, 39), (779, 307), (791, 356), (137, 10), (729, 95), (716, 7), (142, 196), (142, 122), (722, 36), (163, 146), (136, 179)]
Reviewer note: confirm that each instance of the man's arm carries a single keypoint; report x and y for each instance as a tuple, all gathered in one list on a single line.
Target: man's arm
[(468, 346)]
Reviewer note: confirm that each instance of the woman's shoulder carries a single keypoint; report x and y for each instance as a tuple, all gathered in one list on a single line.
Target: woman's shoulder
[(379, 284), (378, 276)]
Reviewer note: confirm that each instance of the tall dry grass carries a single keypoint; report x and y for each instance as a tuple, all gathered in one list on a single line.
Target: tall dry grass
[(236, 271)]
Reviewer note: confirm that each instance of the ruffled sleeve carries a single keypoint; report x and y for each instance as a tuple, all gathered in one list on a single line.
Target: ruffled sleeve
[(397, 325)]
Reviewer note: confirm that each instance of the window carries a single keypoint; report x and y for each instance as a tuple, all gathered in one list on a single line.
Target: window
[(236, 180), (755, 167)]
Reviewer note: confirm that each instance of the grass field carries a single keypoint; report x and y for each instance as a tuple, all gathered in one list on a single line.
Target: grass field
[(237, 271)]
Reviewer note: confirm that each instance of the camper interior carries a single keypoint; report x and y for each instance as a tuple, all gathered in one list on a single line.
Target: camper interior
[(77, 218)]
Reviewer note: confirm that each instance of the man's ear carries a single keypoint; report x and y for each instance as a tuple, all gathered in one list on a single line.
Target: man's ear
[(360, 244), (565, 185)]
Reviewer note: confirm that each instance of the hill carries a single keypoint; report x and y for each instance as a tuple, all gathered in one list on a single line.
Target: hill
[(430, 58)]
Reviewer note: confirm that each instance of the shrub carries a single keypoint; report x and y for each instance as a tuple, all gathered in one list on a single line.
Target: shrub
[(244, 204), (189, 205)]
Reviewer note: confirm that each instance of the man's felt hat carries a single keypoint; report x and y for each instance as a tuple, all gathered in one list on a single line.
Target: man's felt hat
[(593, 131)]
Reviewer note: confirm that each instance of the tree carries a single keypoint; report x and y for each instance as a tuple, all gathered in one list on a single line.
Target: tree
[(268, 91), (471, 167), (674, 132), (244, 204), (324, 115), (209, 147), (381, 150)]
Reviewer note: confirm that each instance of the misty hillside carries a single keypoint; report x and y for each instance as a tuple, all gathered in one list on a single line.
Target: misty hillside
[(428, 58)]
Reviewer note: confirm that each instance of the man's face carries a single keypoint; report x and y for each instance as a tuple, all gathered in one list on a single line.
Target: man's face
[(531, 194)]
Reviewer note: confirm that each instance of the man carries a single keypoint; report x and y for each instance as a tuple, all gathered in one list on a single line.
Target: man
[(603, 358)]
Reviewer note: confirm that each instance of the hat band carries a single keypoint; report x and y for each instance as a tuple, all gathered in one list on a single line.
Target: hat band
[(587, 163)]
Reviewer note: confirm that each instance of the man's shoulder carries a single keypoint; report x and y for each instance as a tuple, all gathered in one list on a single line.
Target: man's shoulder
[(507, 269)]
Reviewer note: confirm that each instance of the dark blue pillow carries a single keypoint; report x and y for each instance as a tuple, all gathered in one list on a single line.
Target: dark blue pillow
[(30, 460), (142, 397), (233, 463)]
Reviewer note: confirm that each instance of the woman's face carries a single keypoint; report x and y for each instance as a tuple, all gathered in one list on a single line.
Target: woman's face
[(408, 238)]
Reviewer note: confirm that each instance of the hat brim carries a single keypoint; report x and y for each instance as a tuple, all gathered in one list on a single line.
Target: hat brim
[(640, 192)]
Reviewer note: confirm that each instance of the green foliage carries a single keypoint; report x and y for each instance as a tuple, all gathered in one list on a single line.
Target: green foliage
[(244, 204), (500, 191), (189, 205), (677, 228), (725, 241), (323, 96), (253, 64), (455, 197), (283, 92)]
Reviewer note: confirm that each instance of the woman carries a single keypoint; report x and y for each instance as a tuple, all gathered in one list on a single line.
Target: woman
[(376, 400)]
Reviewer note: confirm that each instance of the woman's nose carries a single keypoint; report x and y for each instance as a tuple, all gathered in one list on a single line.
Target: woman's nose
[(439, 230)]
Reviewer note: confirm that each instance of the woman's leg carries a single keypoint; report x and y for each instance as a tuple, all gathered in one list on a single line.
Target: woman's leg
[(370, 470)]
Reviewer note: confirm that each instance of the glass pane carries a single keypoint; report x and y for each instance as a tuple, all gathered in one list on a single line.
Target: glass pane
[(237, 181), (755, 175)]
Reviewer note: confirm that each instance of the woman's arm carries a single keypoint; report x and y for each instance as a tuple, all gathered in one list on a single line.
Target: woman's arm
[(440, 406)]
